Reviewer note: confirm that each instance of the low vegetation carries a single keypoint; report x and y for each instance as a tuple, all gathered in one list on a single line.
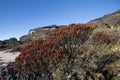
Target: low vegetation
[(69, 53)]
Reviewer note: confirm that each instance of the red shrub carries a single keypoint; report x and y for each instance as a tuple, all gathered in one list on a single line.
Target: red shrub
[(102, 38), (62, 44)]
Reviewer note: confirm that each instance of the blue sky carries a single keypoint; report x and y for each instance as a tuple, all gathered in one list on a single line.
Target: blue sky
[(17, 17)]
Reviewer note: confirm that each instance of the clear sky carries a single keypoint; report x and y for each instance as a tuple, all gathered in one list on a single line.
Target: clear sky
[(17, 17)]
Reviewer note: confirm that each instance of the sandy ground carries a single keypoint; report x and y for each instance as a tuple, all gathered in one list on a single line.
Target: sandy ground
[(7, 56)]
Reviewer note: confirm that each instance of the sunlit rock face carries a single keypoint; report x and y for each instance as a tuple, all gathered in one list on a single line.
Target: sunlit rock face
[(41, 32), (38, 33)]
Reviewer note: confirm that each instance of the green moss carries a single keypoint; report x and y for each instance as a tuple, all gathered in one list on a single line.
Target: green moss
[(116, 46), (118, 27)]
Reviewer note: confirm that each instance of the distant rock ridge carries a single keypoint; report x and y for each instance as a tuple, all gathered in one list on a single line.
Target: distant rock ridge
[(109, 20), (42, 32), (9, 44), (38, 33)]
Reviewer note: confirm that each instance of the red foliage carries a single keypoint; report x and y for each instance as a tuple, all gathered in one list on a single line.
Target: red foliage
[(62, 42), (101, 38)]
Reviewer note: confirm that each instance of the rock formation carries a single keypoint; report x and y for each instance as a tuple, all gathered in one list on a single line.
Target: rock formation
[(38, 33), (109, 20)]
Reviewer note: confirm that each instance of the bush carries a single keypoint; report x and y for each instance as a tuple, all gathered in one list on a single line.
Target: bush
[(64, 53)]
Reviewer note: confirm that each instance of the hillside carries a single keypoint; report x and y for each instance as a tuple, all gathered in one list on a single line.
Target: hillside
[(71, 52), (33, 34), (109, 20), (108, 23), (64, 55), (38, 33)]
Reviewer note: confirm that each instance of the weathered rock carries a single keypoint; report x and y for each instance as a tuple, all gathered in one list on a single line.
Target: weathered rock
[(38, 33), (109, 20), (25, 39)]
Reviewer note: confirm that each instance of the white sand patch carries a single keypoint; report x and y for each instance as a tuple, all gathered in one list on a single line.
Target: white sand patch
[(7, 56)]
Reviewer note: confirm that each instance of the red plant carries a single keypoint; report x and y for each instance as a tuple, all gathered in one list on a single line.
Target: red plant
[(62, 44), (63, 47), (101, 38)]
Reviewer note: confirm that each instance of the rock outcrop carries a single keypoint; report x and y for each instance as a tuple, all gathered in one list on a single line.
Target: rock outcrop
[(9, 44), (38, 33), (109, 20)]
